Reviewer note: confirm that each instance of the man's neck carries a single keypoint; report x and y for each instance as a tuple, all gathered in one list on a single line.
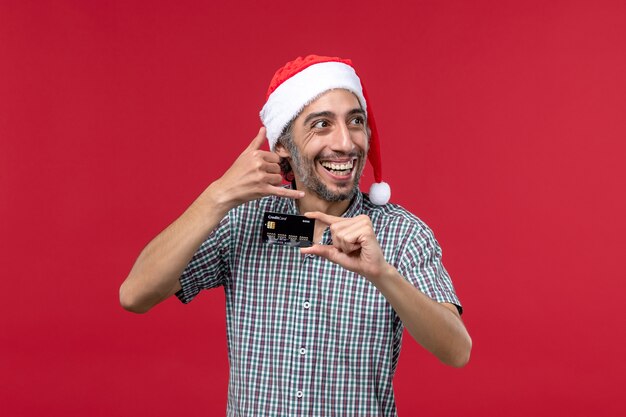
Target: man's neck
[(312, 202)]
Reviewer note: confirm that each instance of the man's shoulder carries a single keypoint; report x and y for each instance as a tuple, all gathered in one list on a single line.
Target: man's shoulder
[(392, 215), (389, 211), (258, 207)]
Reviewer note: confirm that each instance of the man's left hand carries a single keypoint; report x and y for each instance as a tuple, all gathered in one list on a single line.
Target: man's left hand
[(354, 245)]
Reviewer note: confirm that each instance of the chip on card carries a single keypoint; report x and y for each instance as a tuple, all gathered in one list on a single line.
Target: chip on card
[(287, 230)]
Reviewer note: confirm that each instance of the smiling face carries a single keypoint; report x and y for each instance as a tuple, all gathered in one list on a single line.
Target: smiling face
[(329, 146)]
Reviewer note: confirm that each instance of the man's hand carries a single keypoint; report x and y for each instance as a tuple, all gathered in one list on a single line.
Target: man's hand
[(436, 326), (254, 174), (155, 275), (354, 245)]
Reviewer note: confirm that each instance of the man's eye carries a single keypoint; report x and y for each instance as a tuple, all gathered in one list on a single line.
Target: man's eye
[(320, 124), (358, 120)]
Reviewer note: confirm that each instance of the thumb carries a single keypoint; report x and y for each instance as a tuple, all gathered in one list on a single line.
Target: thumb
[(325, 251), (258, 140)]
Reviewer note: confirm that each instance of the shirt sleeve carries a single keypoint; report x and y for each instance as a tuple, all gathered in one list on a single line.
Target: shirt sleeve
[(421, 265), (209, 267)]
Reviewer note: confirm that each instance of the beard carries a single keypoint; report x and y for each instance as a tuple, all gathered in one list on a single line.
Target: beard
[(304, 169)]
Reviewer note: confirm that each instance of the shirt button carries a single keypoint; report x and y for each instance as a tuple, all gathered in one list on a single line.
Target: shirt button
[(302, 351), (299, 394), (306, 305)]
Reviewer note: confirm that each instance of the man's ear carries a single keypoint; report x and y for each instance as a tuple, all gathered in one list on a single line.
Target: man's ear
[(280, 149)]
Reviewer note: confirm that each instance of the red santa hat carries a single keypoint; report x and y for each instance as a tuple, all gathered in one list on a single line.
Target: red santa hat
[(300, 82)]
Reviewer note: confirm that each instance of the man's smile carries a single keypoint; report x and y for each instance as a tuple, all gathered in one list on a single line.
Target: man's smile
[(339, 169)]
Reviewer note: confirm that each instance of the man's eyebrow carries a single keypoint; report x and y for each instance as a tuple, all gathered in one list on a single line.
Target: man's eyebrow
[(357, 111), (331, 115), (311, 116)]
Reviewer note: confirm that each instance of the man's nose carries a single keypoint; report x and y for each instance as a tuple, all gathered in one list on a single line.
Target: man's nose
[(343, 139)]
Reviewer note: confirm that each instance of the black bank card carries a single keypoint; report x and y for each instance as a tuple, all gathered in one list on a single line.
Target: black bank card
[(288, 230)]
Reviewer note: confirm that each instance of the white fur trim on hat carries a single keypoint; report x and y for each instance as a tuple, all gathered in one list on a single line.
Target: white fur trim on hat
[(289, 98)]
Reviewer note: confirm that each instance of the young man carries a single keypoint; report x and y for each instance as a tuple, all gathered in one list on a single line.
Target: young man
[(316, 330)]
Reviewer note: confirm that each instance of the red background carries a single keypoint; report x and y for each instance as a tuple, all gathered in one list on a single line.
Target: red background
[(502, 126)]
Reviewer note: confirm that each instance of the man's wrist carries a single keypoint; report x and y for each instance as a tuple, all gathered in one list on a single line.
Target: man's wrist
[(214, 201), (383, 275)]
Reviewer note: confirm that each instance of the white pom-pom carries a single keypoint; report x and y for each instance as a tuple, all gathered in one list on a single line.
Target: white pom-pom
[(380, 193)]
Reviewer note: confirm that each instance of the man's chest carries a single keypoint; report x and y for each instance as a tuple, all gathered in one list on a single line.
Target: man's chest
[(284, 294)]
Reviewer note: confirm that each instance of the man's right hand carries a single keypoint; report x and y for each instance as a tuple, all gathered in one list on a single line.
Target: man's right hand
[(155, 275), (254, 174)]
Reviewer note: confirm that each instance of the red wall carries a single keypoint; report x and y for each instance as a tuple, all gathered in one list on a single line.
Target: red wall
[(502, 125)]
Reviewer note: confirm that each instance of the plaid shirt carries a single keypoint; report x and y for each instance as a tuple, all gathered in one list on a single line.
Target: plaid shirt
[(306, 336)]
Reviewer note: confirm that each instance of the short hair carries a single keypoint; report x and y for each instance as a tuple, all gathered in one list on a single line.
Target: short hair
[(286, 139)]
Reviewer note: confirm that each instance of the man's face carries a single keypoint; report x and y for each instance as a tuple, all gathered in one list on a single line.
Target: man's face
[(329, 146)]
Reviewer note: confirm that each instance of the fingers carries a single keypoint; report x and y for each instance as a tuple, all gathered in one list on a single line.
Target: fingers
[(354, 245), (325, 251), (348, 239), (273, 179), (338, 224), (271, 168), (254, 148), (332, 254), (348, 234), (350, 231), (258, 140), (264, 161), (270, 157), (267, 167), (255, 174)]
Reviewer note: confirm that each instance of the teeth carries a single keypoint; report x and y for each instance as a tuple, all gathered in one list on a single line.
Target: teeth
[(337, 167)]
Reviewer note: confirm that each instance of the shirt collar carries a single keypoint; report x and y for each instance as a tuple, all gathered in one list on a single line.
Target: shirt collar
[(354, 209), (356, 206)]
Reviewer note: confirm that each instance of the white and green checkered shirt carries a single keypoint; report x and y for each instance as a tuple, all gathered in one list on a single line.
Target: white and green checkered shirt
[(305, 336)]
